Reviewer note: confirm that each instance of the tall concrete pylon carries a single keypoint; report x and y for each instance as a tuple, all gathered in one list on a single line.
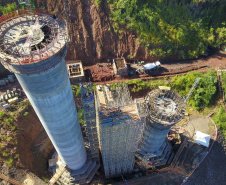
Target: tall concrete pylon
[(41, 71)]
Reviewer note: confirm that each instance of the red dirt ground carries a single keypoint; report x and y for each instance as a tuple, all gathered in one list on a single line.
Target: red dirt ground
[(99, 72), (169, 68)]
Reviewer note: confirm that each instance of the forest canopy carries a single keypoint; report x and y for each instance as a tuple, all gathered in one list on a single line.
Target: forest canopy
[(182, 28)]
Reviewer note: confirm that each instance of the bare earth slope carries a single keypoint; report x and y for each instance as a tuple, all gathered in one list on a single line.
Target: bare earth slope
[(91, 32)]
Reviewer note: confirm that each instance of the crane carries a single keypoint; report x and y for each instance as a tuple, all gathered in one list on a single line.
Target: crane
[(192, 89)]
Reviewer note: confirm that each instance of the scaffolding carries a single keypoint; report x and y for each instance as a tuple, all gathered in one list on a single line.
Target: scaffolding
[(118, 123), (90, 120)]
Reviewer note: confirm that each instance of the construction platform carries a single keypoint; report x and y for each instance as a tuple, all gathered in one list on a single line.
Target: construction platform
[(75, 71), (30, 38)]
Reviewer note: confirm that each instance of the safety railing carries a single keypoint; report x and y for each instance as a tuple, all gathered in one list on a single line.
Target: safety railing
[(35, 56)]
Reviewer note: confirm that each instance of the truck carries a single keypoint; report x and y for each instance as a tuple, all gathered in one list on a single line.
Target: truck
[(149, 67)]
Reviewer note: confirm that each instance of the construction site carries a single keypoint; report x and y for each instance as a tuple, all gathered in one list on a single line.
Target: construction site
[(123, 140)]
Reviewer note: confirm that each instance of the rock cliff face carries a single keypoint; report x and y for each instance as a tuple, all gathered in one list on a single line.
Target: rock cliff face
[(91, 32)]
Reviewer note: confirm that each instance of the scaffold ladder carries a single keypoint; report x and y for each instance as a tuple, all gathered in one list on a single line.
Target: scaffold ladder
[(192, 89)]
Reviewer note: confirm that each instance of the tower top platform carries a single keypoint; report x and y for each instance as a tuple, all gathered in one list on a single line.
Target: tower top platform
[(165, 107), (30, 38)]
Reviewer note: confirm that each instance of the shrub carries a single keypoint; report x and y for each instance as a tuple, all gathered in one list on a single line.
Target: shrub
[(9, 138), (205, 94), (16, 156), (98, 2), (76, 90), (2, 114), (8, 8), (4, 154), (45, 179), (81, 116), (13, 127), (9, 121), (9, 161), (220, 119), (224, 83), (26, 113)]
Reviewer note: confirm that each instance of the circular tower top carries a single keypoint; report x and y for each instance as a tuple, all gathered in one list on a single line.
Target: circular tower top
[(29, 38), (165, 107)]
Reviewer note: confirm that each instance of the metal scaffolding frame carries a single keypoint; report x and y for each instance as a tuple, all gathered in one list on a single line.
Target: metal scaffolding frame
[(118, 123), (90, 119)]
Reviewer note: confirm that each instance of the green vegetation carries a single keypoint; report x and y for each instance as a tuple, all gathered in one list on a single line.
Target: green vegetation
[(2, 114), (9, 161), (26, 113), (8, 136), (130, 57), (139, 85), (81, 116), (224, 83), (220, 119), (76, 90), (8, 8), (98, 2), (204, 95), (182, 28), (4, 154), (45, 179), (9, 121)]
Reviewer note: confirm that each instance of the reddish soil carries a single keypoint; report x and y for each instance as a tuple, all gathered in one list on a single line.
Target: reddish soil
[(99, 72), (171, 68), (33, 145)]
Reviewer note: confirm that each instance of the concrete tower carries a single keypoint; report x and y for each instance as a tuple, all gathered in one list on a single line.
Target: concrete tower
[(33, 47), (165, 109)]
